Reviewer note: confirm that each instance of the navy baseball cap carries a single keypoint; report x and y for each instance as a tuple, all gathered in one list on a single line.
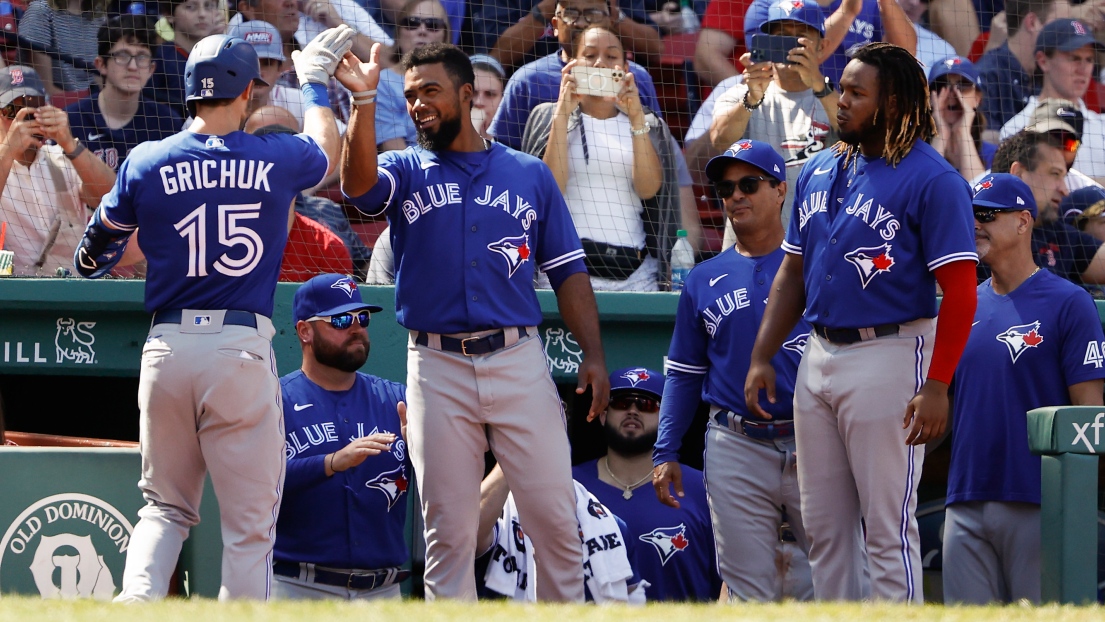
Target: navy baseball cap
[(756, 153), (1002, 191), (19, 81), (1081, 201), (958, 65), (807, 12), (1066, 35), (639, 380), (329, 294)]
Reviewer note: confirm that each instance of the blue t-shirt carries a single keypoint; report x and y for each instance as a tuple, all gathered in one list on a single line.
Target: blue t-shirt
[(719, 312), (166, 85), (1006, 86), (1024, 351), (152, 121), (870, 235), (538, 83), (392, 119), (355, 518), (212, 214), (469, 231), (678, 557)]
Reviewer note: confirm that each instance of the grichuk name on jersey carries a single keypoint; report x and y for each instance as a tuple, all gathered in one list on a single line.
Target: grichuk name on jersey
[(881, 220), (737, 299), (205, 174)]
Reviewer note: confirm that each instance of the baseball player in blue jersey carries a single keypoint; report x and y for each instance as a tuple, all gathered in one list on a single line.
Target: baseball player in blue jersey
[(471, 222), (878, 221), (1036, 341), (750, 465), (677, 557), (210, 205), (340, 531)]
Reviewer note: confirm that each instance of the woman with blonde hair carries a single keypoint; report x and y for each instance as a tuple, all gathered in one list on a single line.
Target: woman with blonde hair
[(68, 27)]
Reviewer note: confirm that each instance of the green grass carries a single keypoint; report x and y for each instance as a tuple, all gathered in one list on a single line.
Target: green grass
[(201, 610)]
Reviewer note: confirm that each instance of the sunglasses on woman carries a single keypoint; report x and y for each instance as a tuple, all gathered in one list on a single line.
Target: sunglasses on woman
[(344, 320), (747, 185), (644, 404), (433, 24)]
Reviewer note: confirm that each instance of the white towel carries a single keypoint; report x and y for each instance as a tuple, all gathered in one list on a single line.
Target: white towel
[(511, 569)]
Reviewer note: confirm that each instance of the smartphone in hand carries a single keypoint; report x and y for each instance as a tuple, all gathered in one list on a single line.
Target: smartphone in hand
[(598, 81), (772, 48)]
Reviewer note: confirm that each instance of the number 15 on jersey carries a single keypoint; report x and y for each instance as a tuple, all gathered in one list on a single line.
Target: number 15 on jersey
[(231, 232)]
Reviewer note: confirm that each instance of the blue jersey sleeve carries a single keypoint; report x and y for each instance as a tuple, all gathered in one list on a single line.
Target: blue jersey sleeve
[(378, 197), (792, 242), (559, 251), (948, 222), (311, 161), (117, 206), (303, 473), (687, 365), (1082, 340)]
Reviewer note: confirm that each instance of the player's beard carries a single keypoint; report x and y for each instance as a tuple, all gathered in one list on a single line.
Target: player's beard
[(447, 132), (868, 132), (624, 446), (340, 356)]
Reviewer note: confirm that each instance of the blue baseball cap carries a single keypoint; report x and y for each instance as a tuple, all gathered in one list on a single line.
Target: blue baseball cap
[(807, 12), (1002, 191), (756, 153), (638, 379), (958, 65), (1066, 35), (1080, 201), (329, 294)]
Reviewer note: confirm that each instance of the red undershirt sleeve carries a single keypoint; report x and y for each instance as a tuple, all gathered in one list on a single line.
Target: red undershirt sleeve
[(953, 322)]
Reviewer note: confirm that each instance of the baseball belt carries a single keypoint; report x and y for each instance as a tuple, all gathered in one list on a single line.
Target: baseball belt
[(767, 430), (349, 579), (233, 318), (472, 346), (846, 336)]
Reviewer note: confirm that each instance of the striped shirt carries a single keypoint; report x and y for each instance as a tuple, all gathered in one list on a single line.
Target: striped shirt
[(67, 33)]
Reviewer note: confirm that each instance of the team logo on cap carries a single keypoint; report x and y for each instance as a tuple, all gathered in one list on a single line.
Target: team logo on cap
[(870, 261), (1079, 29), (514, 249), (346, 285), (953, 61), (393, 484), (1020, 338), (798, 344), (667, 540), (636, 376), (259, 38), (17, 76), (984, 185), (790, 6), (743, 145)]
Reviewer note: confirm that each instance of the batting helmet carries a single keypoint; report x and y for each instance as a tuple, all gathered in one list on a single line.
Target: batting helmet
[(220, 67)]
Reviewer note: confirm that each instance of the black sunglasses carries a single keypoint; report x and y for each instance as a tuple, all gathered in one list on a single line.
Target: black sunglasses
[(20, 103), (747, 185), (990, 215), (433, 24), (344, 320), (644, 404)]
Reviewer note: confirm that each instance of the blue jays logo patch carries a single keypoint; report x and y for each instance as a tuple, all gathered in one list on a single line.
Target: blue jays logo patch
[(870, 261), (636, 376), (393, 484), (346, 285), (798, 344), (596, 509), (790, 6), (1020, 338), (514, 249), (667, 540)]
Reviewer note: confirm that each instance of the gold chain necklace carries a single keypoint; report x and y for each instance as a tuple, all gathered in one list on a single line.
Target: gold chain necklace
[(628, 493)]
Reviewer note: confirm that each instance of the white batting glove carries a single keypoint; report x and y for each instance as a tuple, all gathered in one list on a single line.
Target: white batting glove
[(317, 62)]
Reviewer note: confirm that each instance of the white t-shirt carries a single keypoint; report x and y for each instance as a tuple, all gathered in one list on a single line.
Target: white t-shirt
[(1091, 155), (31, 204), (702, 120)]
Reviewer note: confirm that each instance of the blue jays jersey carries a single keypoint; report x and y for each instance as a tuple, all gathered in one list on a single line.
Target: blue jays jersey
[(719, 312), (212, 214), (677, 554), (1024, 351), (354, 519), (469, 231), (152, 121), (870, 235)]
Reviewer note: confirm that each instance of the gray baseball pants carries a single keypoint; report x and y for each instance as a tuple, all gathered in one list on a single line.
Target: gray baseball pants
[(991, 552), (849, 404), (210, 402), (292, 588), (459, 406)]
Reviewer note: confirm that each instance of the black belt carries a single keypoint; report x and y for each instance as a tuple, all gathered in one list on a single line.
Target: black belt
[(766, 430), (472, 346), (852, 335), (353, 580), (232, 317)]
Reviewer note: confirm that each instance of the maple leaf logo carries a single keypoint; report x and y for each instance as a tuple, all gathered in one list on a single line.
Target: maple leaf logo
[(883, 262), (679, 541), (1032, 339), (523, 252)]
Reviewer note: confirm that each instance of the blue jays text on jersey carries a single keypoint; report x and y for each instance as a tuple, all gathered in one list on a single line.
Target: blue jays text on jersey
[(720, 308), (870, 235), (353, 519), (212, 242), (1025, 349), (469, 229)]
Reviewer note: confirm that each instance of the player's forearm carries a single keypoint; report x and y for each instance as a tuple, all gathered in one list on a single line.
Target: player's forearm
[(729, 127), (302, 473), (784, 309), (953, 321), (641, 39), (493, 494), (580, 312), (358, 158), (648, 175), (556, 152), (897, 28), (511, 47), (318, 123), (682, 394), (1086, 393)]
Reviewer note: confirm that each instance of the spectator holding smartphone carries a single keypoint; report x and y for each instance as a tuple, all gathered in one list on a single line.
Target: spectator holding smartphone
[(612, 159)]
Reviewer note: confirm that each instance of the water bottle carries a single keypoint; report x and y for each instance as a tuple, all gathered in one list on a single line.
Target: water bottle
[(682, 260), (690, 19)]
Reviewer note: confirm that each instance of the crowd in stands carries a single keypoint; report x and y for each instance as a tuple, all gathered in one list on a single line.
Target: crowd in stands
[(996, 69)]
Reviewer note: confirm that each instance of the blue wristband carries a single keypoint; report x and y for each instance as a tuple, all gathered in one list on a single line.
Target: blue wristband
[(314, 94)]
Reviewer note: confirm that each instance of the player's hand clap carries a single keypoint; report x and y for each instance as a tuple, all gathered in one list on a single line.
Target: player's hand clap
[(25, 132), (55, 126), (803, 60), (568, 99), (760, 376), (757, 76), (317, 62), (357, 451), (592, 372), (359, 76), (928, 412), (664, 477)]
